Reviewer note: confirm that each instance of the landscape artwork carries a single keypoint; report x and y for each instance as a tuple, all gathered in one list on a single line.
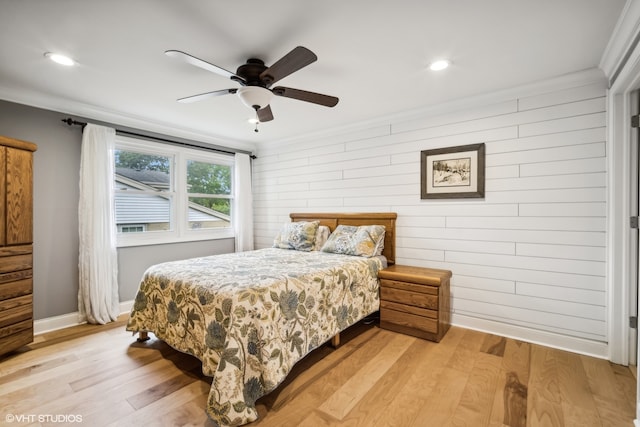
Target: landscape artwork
[(453, 172)]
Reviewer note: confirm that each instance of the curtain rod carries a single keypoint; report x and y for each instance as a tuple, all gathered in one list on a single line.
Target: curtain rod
[(71, 122)]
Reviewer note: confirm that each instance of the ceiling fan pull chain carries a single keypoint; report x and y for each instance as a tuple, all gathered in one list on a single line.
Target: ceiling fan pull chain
[(257, 121)]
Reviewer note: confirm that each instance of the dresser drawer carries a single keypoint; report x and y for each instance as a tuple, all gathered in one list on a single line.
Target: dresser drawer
[(15, 310), (408, 297), (16, 340), (15, 289), (13, 276), (7, 251), (16, 328), (9, 264)]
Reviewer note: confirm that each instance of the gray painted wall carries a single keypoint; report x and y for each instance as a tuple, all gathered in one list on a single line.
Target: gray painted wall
[(55, 185)]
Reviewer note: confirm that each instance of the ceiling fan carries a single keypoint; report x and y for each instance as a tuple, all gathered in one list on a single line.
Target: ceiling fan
[(256, 80)]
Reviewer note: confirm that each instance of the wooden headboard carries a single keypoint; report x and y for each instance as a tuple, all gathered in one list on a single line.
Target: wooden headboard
[(332, 220)]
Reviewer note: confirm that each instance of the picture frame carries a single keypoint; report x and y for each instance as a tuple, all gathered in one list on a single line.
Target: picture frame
[(453, 172)]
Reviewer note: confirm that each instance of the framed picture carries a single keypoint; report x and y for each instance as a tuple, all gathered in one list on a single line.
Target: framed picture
[(453, 172)]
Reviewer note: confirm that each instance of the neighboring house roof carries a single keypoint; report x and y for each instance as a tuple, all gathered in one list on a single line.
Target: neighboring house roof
[(142, 209), (155, 179)]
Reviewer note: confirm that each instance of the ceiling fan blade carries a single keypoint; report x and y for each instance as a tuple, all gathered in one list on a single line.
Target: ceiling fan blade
[(298, 58), (190, 59), (265, 114), (303, 95), (200, 97)]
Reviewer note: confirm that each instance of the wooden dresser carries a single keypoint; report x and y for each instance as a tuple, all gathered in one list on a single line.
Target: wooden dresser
[(415, 301), (16, 243)]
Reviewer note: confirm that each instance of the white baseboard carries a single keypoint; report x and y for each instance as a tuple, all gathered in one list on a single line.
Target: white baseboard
[(125, 307), (575, 345), (54, 323), (636, 423), (547, 339)]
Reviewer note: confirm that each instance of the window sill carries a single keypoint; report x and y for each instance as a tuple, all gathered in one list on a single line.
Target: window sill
[(147, 240)]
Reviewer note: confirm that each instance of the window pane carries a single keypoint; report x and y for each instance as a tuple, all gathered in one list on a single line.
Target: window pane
[(142, 183), (206, 213), (208, 178), (139, 213), (140, 171)]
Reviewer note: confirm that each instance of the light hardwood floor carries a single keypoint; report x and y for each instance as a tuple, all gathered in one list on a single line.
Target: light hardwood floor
[(375, 378)]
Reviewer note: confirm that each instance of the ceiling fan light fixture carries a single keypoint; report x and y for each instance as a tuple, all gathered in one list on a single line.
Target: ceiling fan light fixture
[(254, 97), (60, 59), (439, 65)]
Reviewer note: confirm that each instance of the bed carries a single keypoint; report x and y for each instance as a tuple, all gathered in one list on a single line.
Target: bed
[(250, 316)]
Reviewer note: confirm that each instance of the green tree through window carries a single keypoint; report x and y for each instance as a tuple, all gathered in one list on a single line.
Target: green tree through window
[(206, 181), (139, 161)]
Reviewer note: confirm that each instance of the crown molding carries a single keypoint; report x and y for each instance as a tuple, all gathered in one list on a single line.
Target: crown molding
[(622, 41), (92, 112), (565, 81), (66, 106)]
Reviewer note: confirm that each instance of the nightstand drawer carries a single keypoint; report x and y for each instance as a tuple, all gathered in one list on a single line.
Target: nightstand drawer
[(408, 297), (425, 312), (392, 318), (411, 287)]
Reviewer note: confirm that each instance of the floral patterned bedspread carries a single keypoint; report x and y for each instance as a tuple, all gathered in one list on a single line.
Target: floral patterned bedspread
[(250, 316)]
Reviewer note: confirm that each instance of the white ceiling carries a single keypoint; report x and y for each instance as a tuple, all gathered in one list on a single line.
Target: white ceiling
[(373, 55)]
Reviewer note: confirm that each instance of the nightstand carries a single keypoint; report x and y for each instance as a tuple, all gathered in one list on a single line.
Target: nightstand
[(415, 301)]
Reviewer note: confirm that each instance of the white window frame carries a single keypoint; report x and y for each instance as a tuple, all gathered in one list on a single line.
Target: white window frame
[(180, 231)]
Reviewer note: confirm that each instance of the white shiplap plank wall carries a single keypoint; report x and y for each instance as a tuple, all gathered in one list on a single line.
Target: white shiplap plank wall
[(528, 260)]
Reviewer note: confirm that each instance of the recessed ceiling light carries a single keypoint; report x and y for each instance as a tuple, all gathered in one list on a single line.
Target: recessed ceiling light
[(439, 65), (60, 59), (253, 121)]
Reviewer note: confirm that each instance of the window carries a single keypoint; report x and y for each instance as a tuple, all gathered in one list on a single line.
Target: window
[(209, 192), (165, 193)]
